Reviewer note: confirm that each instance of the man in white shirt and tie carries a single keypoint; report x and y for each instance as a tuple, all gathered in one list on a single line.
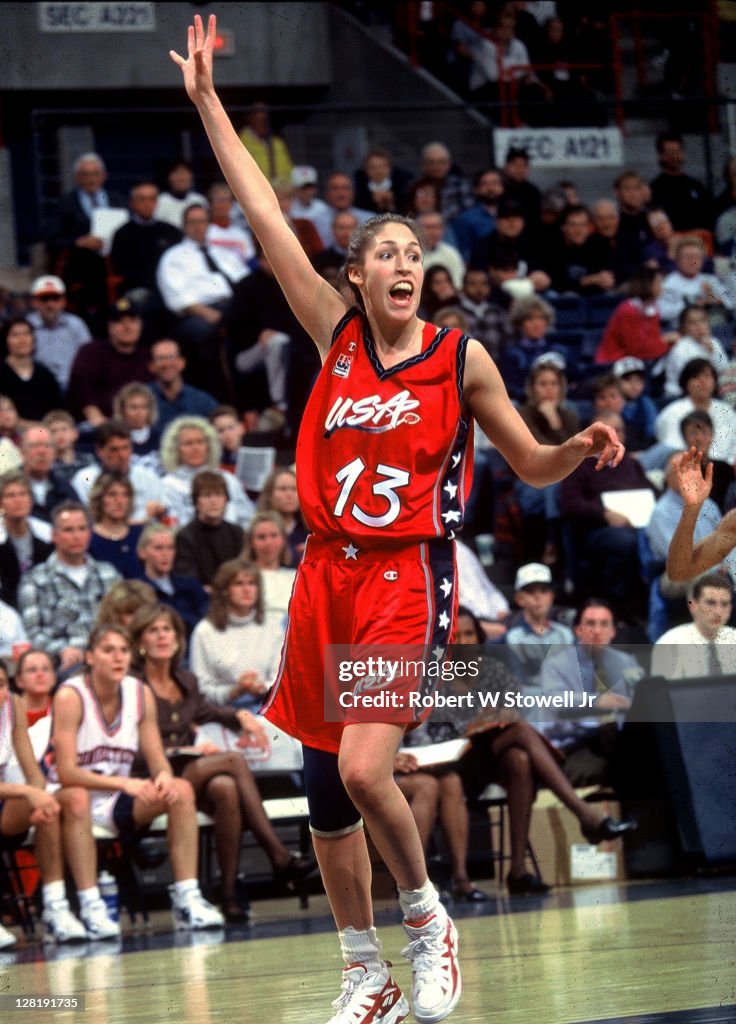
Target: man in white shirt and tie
[(706, 646), (196, 282)]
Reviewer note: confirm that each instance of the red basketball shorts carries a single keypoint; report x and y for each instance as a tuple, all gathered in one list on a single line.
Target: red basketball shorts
[(370, 602)]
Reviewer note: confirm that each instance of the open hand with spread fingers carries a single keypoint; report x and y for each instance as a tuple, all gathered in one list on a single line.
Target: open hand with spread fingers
[(197, 67), (693, 484)]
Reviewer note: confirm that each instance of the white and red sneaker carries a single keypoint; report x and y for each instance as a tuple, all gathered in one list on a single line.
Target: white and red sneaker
[(369, 996), (436, 973)]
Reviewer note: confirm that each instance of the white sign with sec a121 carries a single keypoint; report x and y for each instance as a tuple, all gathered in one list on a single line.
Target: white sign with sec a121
[(562, 147)]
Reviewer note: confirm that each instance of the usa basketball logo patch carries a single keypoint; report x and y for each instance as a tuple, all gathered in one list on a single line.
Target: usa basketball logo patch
[(342, 366)]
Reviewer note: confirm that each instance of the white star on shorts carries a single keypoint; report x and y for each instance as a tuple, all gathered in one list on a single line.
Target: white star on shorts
[(451, 517), (444, 620), (351, 552), (446, 587), (450, 488)]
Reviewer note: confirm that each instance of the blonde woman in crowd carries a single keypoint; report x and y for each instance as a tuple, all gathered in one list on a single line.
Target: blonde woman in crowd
[(189, 445)]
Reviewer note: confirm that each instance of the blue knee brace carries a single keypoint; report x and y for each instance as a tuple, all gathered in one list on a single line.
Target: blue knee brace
[(331, 811)]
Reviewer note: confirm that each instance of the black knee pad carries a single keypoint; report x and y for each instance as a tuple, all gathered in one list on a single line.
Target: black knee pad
[(331, 811)]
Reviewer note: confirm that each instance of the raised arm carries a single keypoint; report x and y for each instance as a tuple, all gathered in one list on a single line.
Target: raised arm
[(537, 464), (686, 560), (315, 303)]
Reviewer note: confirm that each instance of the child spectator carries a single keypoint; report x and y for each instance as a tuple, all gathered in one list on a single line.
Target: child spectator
[(64, 436), (688, 285), (533, 632), (607, 395), (207, 541), (639, 411), (230, 432)]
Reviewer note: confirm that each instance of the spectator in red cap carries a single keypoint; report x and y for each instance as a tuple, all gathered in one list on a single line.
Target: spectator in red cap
[(59, 334)]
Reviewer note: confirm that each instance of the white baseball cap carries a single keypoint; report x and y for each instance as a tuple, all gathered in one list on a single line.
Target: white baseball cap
[(303, 175), (628, 364), (48, 285), (532, 572)]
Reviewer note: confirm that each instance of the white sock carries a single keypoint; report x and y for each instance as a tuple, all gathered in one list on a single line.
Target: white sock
[(184, 888), (53, 892), (418, 903), (87, 896), (361, 947)]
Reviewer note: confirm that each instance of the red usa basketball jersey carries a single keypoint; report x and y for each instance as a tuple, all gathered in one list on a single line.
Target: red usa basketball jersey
[(382, 457)]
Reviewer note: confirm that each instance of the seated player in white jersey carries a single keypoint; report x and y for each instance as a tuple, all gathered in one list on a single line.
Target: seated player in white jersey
[(101, 720), (24, 802)]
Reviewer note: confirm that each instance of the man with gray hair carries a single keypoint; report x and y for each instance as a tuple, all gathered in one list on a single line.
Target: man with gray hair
[(606, 242), (71, 237), (339, 194), (186, 595), (456, 193)]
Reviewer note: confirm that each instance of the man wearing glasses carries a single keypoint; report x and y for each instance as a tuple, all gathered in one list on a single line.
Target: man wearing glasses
[(59, 334)]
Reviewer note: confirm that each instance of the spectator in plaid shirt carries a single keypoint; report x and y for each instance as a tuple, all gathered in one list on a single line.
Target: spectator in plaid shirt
[(58, 599)]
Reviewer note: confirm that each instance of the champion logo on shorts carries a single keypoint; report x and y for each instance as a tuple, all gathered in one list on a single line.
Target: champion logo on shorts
[(342, 366), (391, 575)]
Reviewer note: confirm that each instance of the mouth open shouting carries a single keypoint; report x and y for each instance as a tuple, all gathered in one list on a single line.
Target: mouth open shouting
[(402, 293)]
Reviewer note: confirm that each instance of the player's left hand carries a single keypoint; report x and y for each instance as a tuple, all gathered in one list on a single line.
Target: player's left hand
[(598, 441)]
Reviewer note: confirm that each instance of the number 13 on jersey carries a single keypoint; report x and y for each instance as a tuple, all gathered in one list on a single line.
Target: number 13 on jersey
[(386, 488)]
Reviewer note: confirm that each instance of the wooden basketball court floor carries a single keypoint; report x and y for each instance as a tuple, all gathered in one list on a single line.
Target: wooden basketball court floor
[(645, 953)]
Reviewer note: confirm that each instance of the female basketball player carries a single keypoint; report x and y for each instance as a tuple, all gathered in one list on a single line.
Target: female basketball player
[(382, 472)]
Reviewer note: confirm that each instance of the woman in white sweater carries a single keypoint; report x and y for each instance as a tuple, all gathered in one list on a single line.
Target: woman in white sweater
[(235, 650)]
